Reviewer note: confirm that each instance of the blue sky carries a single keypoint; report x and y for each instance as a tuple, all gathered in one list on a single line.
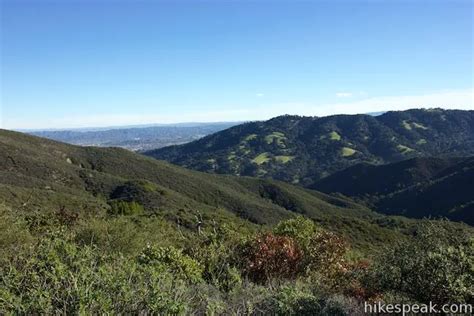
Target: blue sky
[(102, 63)]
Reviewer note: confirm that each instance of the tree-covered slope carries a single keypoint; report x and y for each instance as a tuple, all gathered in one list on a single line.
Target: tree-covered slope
[(304, 149), (367, 179), (418, 187), (39, 175)]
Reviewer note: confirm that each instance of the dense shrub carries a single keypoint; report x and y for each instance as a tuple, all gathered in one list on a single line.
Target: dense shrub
[(269, 256), (172, 260), (297, 298), (219, 264), (326, 253), (322, 251), (56, 276), (300, 228), (13, 232), (113, 234), (292, 300), (99, 266), (436, 265), (128, 234), (119, 207)]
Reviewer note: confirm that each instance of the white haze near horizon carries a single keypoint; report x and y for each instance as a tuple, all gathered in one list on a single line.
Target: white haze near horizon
[(462, 99)]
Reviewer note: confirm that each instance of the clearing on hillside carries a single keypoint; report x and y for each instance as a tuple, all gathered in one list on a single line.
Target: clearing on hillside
[(260, 159)]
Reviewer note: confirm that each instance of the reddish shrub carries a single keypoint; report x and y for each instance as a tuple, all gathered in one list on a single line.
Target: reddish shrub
[(269, 256)]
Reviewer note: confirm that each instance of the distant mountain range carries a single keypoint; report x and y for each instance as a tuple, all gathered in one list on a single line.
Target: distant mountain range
[(302, 150), (418, 187), (135, 138)]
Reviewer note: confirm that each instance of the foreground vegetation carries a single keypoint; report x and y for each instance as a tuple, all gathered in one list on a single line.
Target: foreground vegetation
[(88, 230), (60, 263)]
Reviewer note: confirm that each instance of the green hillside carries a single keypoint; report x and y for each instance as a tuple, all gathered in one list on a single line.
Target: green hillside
[(315, 147), (39, 175)]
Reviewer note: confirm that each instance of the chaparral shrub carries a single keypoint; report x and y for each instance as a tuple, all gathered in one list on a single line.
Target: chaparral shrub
[(173, 260), (435, 265), (322, 251), (269, 256), (119, 207)]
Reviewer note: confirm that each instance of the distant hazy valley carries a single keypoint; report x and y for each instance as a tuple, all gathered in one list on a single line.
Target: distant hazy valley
[(136, 138)]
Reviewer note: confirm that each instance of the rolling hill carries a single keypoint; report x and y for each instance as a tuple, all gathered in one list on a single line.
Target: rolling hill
[(418, 187), (301, 150), (40, 175)]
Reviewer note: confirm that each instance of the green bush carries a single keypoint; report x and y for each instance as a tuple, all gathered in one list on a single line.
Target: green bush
[(217, 252), (300, 228), (113, 234), (303, 298), (118, 207), (291, 300), (172, 260), (14, 233), (58, 277), (436, 265), (219, 269)]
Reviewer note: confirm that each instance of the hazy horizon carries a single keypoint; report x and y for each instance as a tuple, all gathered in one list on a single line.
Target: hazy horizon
[(195, 123)]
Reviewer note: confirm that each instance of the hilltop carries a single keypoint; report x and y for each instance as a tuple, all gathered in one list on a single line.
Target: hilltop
[(301, 150)]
